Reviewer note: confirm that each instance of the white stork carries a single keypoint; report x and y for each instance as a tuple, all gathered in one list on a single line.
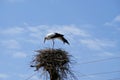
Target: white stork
[(52, 36)]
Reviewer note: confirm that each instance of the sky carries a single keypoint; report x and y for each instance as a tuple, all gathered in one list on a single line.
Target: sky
[(92, 28)]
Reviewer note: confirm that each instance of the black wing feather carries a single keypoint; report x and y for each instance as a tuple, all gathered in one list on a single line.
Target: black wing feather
[(57, 35), (64, 40)]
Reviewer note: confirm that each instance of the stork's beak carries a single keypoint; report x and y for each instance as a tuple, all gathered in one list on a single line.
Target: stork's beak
[(44, 39)]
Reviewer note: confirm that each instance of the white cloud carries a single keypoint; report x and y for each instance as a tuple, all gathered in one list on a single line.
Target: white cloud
[(12, 31), (106, 54), (119, 29), (3, 76), (69, 29), (115, 23), (13, 1), (19, 55), (10, 44), (97, 44), (40, 30), (117, 18), (37, 33)]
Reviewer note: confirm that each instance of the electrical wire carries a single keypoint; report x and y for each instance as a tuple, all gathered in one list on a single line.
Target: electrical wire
[(31, 76), (99, 60), (100, 73), (114, 79), (87, 75)]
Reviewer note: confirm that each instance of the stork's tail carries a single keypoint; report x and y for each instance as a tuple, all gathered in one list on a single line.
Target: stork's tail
[(65, 40)]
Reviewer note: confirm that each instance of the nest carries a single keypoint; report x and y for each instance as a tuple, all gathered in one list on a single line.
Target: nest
[(55, 61)]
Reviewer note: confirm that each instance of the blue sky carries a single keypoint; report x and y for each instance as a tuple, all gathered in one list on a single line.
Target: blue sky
[(91, 26)]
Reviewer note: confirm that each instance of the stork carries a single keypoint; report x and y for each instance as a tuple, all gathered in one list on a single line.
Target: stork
[(52, 36)]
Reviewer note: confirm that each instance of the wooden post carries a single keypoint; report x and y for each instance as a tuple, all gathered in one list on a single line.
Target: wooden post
[(53, 74)]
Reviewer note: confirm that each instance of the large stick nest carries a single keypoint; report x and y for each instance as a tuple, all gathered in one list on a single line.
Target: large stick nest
[(55, 61)]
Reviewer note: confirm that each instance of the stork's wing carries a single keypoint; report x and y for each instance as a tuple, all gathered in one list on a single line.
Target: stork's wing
[(58, 34), (64, 40)]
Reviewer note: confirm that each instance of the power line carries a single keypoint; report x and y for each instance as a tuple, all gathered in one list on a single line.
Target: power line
[(86, 76), (114, 79), (100, 73), (99, 60), (31, 76), (34, 75)]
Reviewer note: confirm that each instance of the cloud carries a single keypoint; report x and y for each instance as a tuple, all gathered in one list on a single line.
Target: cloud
[(35, 34), (12, 31), (117, 19), (14, 1), (71, 32), (37, 31), (69, 29), (97, 44), (19, 55), (33, 41), (10, 44), (115, 23), (3, 76), (103, 54)]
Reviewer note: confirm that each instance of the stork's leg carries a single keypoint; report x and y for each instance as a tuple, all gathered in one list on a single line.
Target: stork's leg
[(53, 43)]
